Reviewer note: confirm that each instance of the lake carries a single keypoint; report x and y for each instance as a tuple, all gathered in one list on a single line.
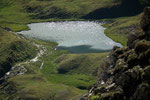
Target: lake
[(74, 36)]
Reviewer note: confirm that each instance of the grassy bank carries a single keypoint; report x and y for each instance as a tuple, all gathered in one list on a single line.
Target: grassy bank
[(13, 49), (118, 29), (47, 82)]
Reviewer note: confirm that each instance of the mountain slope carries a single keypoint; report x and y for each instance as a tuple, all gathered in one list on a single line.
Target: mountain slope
[(118, 29), (15, 14), (45, 79), (124, 8), (127, 74), (13, 49)]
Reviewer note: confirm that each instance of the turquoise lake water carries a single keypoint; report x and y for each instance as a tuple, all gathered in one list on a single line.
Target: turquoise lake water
[(74, 36)]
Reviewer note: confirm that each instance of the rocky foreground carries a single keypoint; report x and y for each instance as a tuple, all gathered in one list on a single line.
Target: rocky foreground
[(128, 69)]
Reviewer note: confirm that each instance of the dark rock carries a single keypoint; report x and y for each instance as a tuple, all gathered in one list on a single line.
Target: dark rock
[(8, 88), (100, 89), (131, 40), (92, 86), (132, 59), (142, 46), (142, 92), (146, 75), (129, 76), (120, 65), (129, 81), (112, 95), (4, 68), (115, 54), (115, 48), (104, 76), (145, 23)]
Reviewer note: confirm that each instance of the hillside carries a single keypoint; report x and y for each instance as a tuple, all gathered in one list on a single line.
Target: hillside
[(32, 80), (128, 69), (123, 8), (118, 29), (32, 69), (15, 14), (13, 49)]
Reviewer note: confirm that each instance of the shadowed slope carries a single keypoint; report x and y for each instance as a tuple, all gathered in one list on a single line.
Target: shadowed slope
[(126, 8)]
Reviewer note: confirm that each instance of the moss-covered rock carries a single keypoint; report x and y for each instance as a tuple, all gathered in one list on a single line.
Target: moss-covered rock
[(95, 97), (142, 92), (129, 80), (112, 95), (120, 65), (145, 22), (147, 54), (132, 59), (146, 74), (120, 51), (131, 71), (131, 40), (142, 46), (138, 70), (100, 89)]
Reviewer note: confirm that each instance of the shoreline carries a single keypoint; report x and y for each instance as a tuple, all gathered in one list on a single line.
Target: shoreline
[(87, 48)]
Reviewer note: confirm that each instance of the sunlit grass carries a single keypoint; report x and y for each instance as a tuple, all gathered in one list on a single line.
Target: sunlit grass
[(14, 16), (120, 28)]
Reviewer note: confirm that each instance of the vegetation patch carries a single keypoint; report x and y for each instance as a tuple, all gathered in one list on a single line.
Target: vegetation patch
[(118, 29), (47, 82), (82, 63), (13, 49)]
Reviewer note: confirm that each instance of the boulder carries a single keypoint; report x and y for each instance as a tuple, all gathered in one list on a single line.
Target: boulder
[(146, 74), (112, 95), (131, 40), (145, 22), (142, 92)]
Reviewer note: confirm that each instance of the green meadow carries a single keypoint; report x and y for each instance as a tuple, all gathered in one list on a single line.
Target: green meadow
[(49, 83)]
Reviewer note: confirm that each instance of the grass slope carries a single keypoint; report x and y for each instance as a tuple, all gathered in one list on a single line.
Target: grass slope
[(118, 29), (48, 83), (13, 49), (15, 14), (80, 63)]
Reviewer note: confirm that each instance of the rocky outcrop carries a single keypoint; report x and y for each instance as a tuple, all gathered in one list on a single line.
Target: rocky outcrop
[(128, 75)]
